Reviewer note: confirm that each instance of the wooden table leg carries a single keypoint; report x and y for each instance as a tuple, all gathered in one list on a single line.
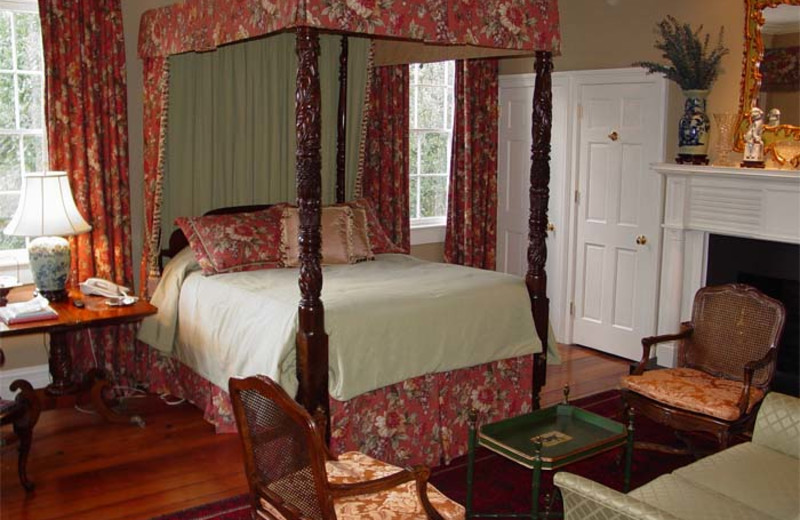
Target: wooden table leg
[(95, 382), (537, 476), (473, 421), (628, 453)]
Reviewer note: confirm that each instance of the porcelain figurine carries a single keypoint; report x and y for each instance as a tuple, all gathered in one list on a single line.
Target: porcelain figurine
[(754, 144), (774, 117)]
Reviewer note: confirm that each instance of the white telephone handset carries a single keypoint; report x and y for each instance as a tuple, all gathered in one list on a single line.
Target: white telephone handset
[(100, 287)]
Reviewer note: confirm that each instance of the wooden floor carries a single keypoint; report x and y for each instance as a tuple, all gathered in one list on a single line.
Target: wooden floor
[(86, 469)]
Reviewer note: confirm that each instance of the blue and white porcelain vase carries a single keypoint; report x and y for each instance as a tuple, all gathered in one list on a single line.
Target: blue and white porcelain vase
[(693, 129)]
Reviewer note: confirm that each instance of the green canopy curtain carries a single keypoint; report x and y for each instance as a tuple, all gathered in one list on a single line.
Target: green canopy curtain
[(230, 132)]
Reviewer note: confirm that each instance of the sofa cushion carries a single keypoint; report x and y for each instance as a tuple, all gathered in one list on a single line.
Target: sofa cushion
[(778, 424), (688, 501), (762, 478), (693, 390)]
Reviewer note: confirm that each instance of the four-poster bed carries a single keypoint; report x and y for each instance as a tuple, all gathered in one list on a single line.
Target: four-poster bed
[(200, 25)]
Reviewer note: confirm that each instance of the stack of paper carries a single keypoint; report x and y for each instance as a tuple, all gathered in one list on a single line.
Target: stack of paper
[(32, 310)]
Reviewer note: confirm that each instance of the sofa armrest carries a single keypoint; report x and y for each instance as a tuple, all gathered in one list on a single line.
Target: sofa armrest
[(778, 424), (584, 498)]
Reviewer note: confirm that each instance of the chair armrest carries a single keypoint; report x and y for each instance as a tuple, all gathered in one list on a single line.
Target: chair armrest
[(749, 369), (420, 474), (647, 344), (778, 424), (583, 497)]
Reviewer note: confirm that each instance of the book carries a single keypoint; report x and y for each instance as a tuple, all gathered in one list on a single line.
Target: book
[(36, 309)]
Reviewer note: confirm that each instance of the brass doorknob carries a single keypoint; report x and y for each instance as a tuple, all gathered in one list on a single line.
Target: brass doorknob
[(550, 227), (613, 136), (641, 240)]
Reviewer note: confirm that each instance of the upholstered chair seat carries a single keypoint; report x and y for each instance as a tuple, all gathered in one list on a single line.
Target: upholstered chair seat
[(694, 391)]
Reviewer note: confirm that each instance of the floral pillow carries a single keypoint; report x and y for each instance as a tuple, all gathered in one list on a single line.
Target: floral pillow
[(378, 238), (235, 242), (362, 249)]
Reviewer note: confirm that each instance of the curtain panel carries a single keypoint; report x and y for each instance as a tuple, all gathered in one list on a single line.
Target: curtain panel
[(385, 178), (87, 134), (470, 237)]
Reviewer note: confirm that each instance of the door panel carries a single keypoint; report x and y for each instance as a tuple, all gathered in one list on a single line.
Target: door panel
[(513, 183), (616, 289)]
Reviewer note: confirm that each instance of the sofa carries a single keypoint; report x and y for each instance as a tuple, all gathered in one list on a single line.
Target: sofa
[(753, 480)]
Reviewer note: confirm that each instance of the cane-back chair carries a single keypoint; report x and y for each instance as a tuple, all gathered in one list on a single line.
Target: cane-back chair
[(293, 476), (726, 361), (22, 413)]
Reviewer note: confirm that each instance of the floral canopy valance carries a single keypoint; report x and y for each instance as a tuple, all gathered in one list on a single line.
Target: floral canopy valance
[(201, 25)]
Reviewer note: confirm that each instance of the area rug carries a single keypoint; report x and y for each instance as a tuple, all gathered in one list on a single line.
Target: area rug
[(502, 486)]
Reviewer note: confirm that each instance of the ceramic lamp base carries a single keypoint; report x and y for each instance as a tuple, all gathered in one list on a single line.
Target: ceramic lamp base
[(49, 259)]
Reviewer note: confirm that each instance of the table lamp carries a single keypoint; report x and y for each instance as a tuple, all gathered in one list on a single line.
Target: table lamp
[(47, 210)]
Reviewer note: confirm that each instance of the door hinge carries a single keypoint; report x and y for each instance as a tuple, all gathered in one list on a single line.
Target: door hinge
[(577, 197), (572, 308)]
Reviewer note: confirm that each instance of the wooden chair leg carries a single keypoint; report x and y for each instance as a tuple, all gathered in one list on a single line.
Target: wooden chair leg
[(25, 435)]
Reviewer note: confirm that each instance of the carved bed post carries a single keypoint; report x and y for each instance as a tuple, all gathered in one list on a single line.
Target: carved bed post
[(536, 277), (341, 123), (312, 341)]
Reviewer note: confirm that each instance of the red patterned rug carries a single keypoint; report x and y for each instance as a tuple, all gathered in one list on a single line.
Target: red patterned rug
[(502, 486)]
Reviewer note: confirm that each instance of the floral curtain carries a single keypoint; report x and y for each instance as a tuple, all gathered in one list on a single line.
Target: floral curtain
[(384, 177), (87, 133), (470, 238)]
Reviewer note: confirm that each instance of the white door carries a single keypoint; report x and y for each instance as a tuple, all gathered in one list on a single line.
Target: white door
[(618, 212), (513, 183)]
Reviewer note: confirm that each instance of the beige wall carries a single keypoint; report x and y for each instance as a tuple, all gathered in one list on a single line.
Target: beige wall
[(596, 35)]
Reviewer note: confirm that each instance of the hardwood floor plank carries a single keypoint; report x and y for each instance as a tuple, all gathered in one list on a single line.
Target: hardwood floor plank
[(86, 469)]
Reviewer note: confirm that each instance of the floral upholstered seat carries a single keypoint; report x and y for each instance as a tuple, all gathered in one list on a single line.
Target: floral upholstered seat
[(694, 391), (292, 475)]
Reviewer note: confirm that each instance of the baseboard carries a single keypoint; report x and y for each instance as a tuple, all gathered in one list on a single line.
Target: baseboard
[(666, 355), (38, 376)]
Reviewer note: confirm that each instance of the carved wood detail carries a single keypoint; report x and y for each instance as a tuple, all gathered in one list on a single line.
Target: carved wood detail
[(536, 277), (312, 341), (341, 128)]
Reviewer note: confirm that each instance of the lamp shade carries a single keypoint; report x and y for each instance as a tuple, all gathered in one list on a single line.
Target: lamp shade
[(46, 208)]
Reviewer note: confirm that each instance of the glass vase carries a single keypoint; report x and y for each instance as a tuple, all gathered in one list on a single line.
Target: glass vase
[(725, 123)]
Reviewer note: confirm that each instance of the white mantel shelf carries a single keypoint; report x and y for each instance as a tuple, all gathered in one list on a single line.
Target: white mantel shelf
[(763, 204), (746, 202)]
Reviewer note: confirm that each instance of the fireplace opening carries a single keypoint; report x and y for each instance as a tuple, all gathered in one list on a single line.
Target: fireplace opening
[(774, 269)]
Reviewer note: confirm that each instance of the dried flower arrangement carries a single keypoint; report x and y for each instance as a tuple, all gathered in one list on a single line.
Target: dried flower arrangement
[(693, 64)]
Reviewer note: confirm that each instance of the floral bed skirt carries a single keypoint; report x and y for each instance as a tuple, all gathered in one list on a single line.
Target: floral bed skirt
[(418, 421)]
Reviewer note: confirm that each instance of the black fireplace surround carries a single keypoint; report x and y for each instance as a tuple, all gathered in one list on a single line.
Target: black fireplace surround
[(774, 269)]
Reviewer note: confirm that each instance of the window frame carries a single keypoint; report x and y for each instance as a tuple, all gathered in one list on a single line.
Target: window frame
[(430, 229), (15, 262)]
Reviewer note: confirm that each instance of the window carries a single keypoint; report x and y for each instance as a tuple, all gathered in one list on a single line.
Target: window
[(22, 136), (430, 140)]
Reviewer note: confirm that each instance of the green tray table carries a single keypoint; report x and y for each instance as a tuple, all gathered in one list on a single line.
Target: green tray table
[(548, 439)]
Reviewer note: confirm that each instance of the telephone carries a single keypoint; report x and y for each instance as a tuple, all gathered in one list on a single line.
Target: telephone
[(100, 287)]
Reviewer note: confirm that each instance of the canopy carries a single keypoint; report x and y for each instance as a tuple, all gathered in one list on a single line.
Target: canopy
[(201, 25)]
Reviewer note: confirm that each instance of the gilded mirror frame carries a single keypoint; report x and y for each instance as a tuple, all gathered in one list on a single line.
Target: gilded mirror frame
[(751, 77)]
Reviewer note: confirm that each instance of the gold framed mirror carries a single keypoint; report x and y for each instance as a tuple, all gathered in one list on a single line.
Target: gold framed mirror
[(770, 70)]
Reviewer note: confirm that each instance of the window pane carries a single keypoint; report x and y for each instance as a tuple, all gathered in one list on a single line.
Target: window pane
[(5, 41), (412, 154), (7, 242), (431, 107), (33, 153), (10, 178), (7, 120), (451, 73), (433, 196), (412, 192), (29, 41), (30, 101), (433, 73), (412, 107), (434, 153), (8, 205)]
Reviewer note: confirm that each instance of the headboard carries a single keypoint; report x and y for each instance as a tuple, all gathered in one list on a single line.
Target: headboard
[(177, 240)]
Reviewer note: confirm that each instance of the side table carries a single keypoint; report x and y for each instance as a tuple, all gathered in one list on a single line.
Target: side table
[(63, 391), (547, 439)]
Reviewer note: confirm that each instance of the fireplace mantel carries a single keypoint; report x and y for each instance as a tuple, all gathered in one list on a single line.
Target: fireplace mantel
[(700, 200)]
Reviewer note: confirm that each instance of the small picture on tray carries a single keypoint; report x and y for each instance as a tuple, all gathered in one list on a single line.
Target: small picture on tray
[(552, 438)]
